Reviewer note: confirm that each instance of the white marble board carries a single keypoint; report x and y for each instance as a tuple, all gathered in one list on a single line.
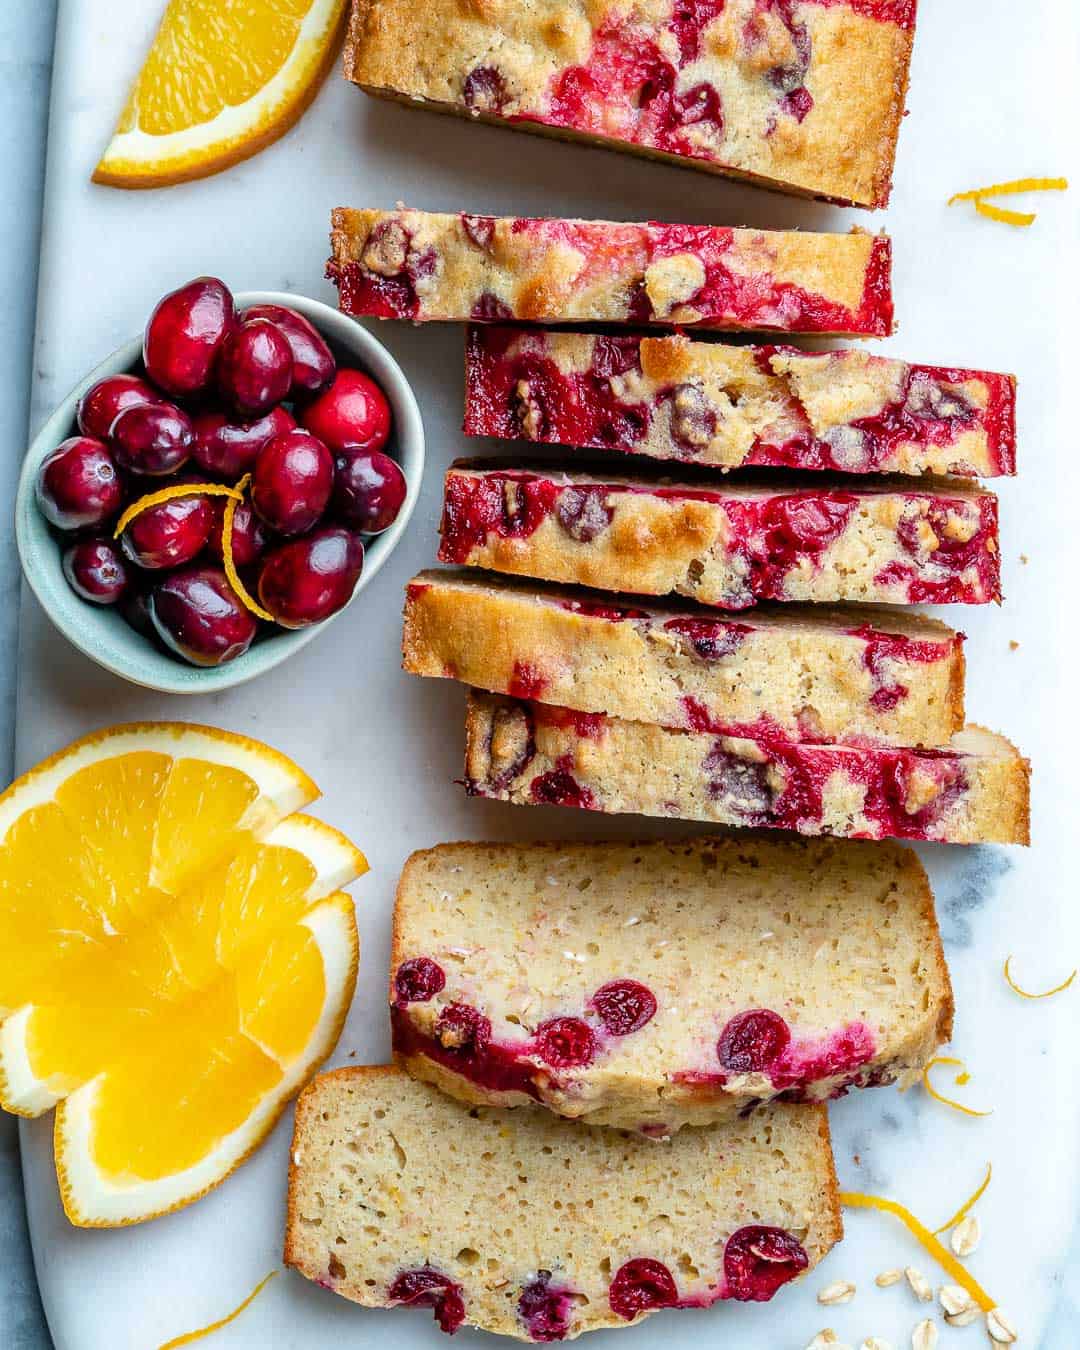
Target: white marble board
[(991, 98)]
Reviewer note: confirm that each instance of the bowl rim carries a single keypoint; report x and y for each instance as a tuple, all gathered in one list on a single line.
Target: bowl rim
[(99, 632)]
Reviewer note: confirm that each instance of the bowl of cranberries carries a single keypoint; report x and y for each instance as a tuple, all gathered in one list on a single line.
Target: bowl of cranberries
[(220, 488)]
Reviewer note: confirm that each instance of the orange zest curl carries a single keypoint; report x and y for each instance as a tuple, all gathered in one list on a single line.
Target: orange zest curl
[(926, 1239), (999, 213), (968, 1204), (960, 1080), (189, 1336), (1019, 218), (242, 593), (167, 494), (1046, 993)]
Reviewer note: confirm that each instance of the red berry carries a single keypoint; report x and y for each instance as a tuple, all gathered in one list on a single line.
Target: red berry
[(103, 403), (95, 571), (227, 449), (758, 1260), (250, 537), (369, 489), (197, 614), (639, 1285), (752, 1041), (292, 480), (152, 439), (463, 1029), (565, 1042), (170, 533), (77, 485), (418, 980), (307, 580), (624, 1006), (353, 411), (184, 335), (545, 1308), (313, 363), (428, 1288), (254, 368)]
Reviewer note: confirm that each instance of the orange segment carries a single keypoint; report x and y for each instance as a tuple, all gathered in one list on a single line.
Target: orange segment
[(219, 83)]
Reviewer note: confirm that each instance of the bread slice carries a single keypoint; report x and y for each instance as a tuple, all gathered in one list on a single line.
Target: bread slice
[(533, 1227), (716, 404), (454, 266), (974, 792), (651, 986), (883, 541), (797, 672)]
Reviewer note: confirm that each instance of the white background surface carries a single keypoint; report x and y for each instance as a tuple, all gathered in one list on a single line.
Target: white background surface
[(988, 84)]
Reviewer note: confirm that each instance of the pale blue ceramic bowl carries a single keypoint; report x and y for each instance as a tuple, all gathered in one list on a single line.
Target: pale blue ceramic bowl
[(101, 632)]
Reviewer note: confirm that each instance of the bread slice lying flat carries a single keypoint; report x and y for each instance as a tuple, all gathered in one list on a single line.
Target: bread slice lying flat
[(975, 791), (655, 985), (803, 672), (537, 1228)]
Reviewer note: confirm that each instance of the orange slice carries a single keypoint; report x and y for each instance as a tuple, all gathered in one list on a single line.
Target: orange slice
[(188, 958), (219, 83)]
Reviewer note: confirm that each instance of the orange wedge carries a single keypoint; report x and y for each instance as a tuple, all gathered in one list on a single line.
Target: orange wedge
[(220, 82), (186, 958)]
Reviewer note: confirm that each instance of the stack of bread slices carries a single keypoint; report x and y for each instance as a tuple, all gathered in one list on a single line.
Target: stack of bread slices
[(612, 1060)]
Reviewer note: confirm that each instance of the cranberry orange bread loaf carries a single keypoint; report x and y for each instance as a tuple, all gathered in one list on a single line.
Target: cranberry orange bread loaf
[(728, 545), (399, 1196), (422, 265), (798, 673), (716, 404), (804, 95), (974, 792), (659, 985)]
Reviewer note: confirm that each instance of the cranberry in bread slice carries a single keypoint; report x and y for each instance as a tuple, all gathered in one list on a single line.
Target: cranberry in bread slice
[(976, 791), (425, 265), (716, 404), (518, 1223), (733, 544), (798, 672), (652, 986), (801, 95)]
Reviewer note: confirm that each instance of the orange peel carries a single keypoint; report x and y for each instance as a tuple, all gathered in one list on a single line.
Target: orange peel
[(242, 593), (167, 494), (190, 1336), (1019, 218), (926, 1239), (1011, 188), (939, 1096), (968, 1204), (1046, 993)]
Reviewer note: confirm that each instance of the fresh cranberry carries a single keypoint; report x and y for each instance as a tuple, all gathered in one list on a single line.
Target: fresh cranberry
[(431, 1290), (152, 439), (228, 449), (758, 1260), (752, 1040), (544, 1308), (313, 362), (170, 533), (95, 571), (185, 333), (583, 513), (484, 89), (197, 615), (418, 980), (135, 609), (77, 485), (353, 411), (250, 538), (103, 403), (639, 1285), (307, 580), (565, 1042), (254, 367), (292, 482), (462, 1028), (369, 489), (624, 1006)]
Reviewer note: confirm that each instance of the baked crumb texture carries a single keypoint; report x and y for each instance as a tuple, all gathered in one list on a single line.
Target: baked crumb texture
[(856, 674), (422, 265), (974, 791), (729, 545), (573, 975), (713, 404), (801, 95), (533, 1227)]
